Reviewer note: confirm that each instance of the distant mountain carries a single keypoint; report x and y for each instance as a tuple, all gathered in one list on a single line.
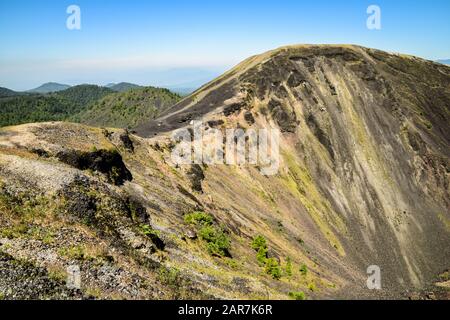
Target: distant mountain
[(55, 106), (33, 108), (5, 92), (128, 109), (50, 87), (123, 86), (84, 94), (88, 104), (183, 91), (444, 61), (187, 88)]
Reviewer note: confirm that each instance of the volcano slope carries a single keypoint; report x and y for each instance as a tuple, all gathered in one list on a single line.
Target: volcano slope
[(363, 180)]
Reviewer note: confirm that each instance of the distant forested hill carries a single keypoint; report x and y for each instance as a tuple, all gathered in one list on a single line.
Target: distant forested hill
[(89, 104), (5, 92), (128, 109), (18, 109), (84, 95), (33, 108), (123, 86), (49, 87)]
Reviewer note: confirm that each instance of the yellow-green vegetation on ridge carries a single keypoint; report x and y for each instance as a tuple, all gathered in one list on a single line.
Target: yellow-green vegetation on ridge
[(128, 109)]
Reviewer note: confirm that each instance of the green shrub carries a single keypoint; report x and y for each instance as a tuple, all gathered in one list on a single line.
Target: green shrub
[(48, 238), (232, 264), (15, 231), (445, 276), (297, 295), (261, 256), (304, 270), (273, 268), (170, 276), (288, 267), (74, 252), (312, 287), (198, 218), (217, 241), (148, 230), (259, 242), (260, 245)]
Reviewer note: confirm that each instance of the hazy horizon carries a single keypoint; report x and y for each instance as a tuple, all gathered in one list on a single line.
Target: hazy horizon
[(170, 78), (172, 43)]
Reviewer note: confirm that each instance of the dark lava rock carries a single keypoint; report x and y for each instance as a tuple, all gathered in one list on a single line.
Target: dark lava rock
[(286, 119), (108, 162), (127, 142), (196, 176), (320, 134), (233, 108), (248, 116), (40, 152), (138, 213), (215, 123)]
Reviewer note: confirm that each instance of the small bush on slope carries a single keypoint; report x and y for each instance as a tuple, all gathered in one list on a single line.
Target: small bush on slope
[(217, 241)]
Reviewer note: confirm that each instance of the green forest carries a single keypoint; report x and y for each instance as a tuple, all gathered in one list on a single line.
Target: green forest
[(88, 104)]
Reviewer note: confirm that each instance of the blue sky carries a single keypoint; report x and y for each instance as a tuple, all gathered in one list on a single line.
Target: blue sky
[(174, 42)]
